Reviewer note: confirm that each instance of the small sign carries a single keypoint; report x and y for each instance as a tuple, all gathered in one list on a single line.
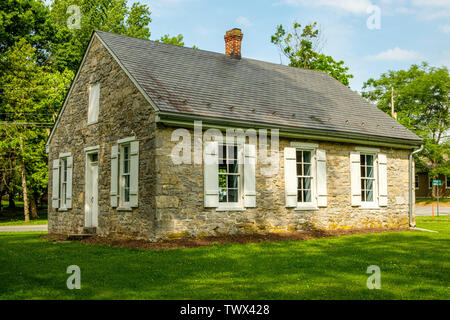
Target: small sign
[(437, 183)]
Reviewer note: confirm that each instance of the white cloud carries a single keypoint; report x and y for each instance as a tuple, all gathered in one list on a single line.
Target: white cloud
[(431, 3), (244, 21), (445, 28), (396, 54), (351, 6)]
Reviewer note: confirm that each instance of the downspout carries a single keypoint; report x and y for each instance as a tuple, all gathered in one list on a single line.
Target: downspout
[(411, 204)]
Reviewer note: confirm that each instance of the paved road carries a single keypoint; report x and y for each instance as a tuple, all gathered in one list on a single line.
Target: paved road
[(426, 211), (23, 228)]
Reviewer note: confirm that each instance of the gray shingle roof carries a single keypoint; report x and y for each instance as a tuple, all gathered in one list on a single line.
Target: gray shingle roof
[(209, 84)]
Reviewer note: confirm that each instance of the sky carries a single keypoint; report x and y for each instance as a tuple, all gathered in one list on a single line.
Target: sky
[(371, 36)]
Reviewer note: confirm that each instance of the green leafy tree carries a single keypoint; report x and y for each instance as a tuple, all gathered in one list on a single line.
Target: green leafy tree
[(176, 41), (302, 48), (26, 113), (105, 15), (29, 20), (421, 96)]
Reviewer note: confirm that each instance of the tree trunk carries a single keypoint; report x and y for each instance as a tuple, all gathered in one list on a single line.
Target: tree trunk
[(26, 209), (11, 203), (33, 207)]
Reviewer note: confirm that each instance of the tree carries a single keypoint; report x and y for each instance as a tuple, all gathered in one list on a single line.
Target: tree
[(422, 104), (176, 41), (26, 19), (105, 15), (302, 47), (32, 92)]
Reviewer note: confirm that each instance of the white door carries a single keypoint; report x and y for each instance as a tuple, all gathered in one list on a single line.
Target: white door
[(91, 201)]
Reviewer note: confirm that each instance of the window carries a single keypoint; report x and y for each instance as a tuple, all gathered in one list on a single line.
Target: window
[(430, 182), (62, 182), (229, 174), (125, 174), (63, 175), (94, 101), (416, 181), (447, 183), (124, 192), (367, 178), (304, 176)]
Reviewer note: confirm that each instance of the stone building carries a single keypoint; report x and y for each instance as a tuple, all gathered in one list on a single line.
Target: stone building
[(157, 141)]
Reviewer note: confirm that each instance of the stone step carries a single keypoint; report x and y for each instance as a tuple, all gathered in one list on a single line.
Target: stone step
[(78, 237)]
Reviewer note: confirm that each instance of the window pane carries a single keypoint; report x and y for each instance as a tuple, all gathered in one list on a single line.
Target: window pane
[(222, 181), (363, 160), (307, 156), (370, 173), (232, 181), (233, 166), (299, 156), (222, 152), (222, 168), (299, 183), (307, 195), (299, 196), (369, 196), (369, 184), (232, 152), (127, 189), (306, 183), (363, 172), (307, 170), (222, 195), (232, 195), (369, 160), (299, 169)]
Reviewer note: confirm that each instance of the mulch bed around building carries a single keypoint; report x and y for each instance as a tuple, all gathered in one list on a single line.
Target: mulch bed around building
[(219, 240)]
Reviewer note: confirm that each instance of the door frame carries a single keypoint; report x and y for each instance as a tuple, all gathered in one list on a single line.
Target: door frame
[(87, 211)]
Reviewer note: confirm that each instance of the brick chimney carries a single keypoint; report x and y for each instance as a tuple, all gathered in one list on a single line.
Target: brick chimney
[(233, 39)]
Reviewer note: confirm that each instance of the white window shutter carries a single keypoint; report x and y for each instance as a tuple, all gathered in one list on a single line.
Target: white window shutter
[(290, 176), (382, 180), (94, 102), (134, 173), (250, 176), (69, 182), (355, 169), (114, 176), (321, 178), (55, 184), (211, 174)]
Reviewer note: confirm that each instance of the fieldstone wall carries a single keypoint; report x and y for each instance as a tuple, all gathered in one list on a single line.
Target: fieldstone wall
[(123, 112), (179, 193)]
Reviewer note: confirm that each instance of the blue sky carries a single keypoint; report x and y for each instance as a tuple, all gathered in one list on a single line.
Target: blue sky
[(410, 31)]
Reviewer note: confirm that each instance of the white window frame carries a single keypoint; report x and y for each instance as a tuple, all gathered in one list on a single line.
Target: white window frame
[(375, 203), (122, 175), (312, 205), (94, 103), (430, 182), (447, 180), (63, 196), (416, 182), (234, 206), (63, 183)]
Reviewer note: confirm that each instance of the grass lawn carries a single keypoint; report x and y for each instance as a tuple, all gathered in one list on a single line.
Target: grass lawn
[(16, 216), (430, 201), (414, 265)]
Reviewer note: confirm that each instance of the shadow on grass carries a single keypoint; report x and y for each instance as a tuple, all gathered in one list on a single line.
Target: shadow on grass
[(413, 266)]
